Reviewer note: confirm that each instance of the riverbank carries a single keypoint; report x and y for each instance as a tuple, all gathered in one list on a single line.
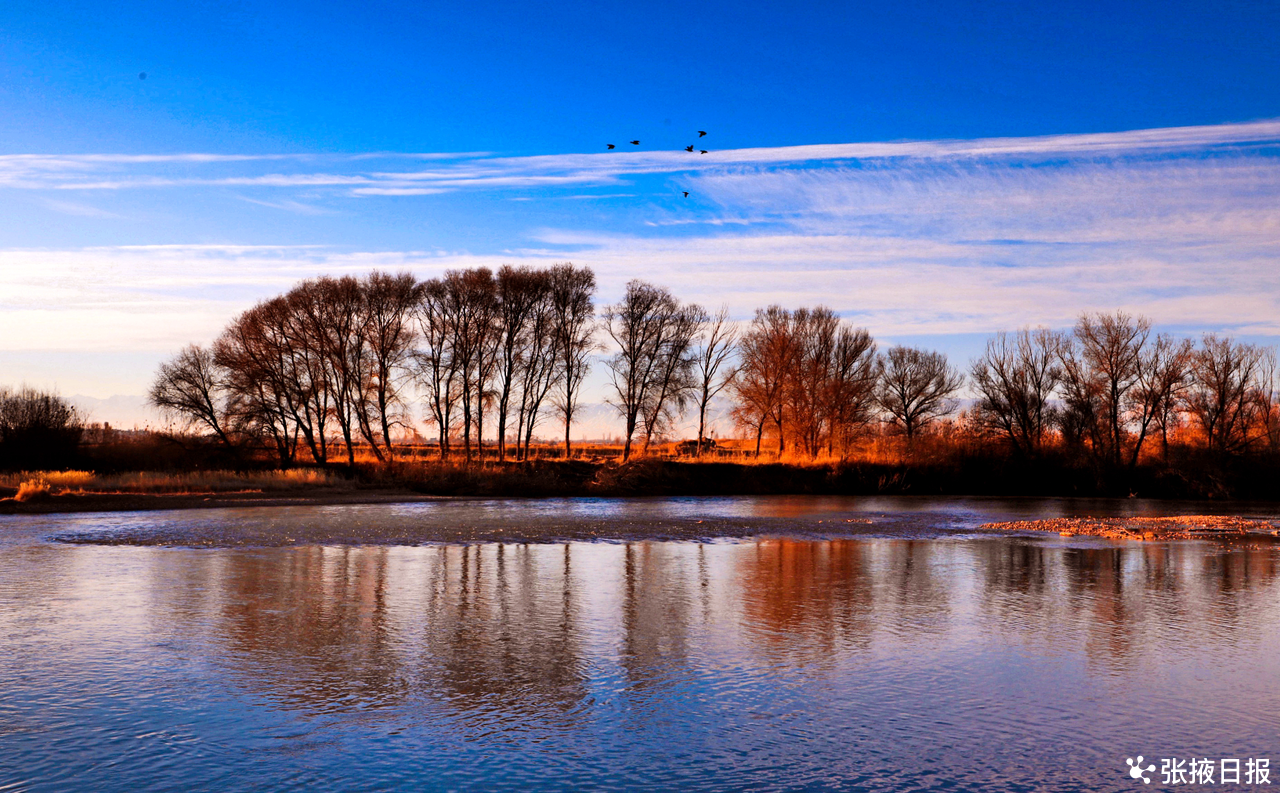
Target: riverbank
[(85, 492), (81, 491), (148, 502)]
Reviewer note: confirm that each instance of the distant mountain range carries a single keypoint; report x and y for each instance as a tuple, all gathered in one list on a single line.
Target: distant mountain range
[(122, 411)]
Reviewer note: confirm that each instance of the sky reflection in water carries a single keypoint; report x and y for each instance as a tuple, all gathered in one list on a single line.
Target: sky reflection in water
[(968, 663)]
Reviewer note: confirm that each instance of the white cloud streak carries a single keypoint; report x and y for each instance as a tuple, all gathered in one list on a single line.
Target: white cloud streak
[(471, 170)]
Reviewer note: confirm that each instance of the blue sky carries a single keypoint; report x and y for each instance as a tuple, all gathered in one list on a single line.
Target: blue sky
[(534, 78), (935, 171)]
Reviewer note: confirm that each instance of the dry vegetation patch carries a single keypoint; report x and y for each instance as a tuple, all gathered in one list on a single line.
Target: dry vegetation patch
[(33, 484), (32, 490), (1161, 528)]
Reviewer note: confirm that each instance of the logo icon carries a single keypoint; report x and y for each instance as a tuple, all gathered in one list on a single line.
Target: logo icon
[(1137, 771)]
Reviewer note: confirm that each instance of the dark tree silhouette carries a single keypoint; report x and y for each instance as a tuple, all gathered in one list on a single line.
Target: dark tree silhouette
[(522, 293), (1016, 378), (767, 353), (192, 388), (651, 372), (850, 389), (389, 336), (1224, 381), (37, 429), (916, 388), (711, 371), (1099, 370), (1163, 376), (435, 362), (573, 333)]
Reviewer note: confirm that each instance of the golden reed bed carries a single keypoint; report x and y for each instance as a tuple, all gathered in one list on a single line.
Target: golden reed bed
[(1178, 527)]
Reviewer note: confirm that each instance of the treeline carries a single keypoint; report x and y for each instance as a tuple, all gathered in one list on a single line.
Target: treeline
[(340, 360), (38, 429), (1111, 387), (1102, 392)]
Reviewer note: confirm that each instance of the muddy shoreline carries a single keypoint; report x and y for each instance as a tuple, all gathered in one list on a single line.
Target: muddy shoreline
[(555, 518)]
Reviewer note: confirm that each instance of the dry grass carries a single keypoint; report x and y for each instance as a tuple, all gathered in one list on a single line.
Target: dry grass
[(32, 489), (61, 482)]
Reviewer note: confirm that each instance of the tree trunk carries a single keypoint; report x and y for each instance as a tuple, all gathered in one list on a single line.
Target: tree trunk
[(346, 438), (502, 434), (702, 426)]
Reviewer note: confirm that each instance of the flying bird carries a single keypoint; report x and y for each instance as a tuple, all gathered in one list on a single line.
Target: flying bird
[(702, 133), (704, 151), (635, 143), (689, 147), (610, 145), (686, 193), (142, 75)]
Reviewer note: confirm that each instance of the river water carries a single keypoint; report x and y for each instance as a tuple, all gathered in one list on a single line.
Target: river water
[(834, 644)]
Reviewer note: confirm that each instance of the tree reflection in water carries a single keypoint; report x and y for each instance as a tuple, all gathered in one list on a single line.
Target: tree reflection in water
[(498, 629), (480, 629), (1027, 661)]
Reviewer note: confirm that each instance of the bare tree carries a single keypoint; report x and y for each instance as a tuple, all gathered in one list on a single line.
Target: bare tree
[(338, 352), (38, 429), (521, 291), (286, 356), (539, 372), (263, 397), (1224, 377), (435, 362), (850, 389), (916, 387), (767, 356), (814, 333), (639, 325), (751, 396), (673, 376), (338, 324), (1163, 371), (307, 341), (809, 375), (469, 311), (1016, 378), (389, 334), (192, 388), (1267, 399), (1103, 367), (573, 330), (715, 348)]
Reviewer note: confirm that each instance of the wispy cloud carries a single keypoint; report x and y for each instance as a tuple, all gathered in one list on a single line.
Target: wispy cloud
[(483, 171), (929, 237), (393, 191), (79, 210), (296, 207)]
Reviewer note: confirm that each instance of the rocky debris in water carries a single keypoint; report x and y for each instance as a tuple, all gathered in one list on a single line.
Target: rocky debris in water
[(1177, 527)]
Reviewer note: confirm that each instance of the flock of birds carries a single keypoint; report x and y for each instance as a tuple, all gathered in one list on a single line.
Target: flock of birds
[(702, 133)]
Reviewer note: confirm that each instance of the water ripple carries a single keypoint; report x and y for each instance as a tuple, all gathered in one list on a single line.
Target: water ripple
[(926, 659)]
